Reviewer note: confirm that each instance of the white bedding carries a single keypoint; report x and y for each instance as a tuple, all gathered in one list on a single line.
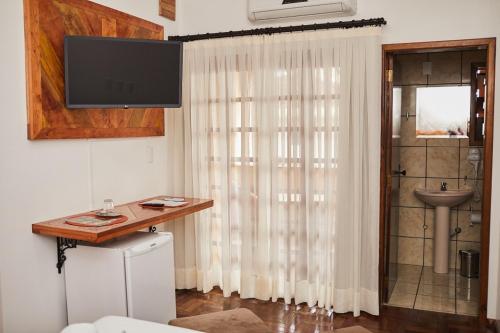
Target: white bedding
[(114, 324)]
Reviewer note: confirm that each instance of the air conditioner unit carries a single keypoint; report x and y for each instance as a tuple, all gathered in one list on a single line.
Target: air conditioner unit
[(263, 10)]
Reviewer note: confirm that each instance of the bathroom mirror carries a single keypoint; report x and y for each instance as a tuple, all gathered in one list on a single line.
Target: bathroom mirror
[(396, 112), (443, 112)]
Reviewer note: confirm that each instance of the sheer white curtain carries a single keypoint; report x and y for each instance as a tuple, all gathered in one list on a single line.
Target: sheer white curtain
[(282, 132)]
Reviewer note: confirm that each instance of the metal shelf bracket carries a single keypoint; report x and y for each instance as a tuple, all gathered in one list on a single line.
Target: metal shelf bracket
[(62, 245)]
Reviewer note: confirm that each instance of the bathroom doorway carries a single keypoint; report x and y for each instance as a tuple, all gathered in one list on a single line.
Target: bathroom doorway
[(436, 169)]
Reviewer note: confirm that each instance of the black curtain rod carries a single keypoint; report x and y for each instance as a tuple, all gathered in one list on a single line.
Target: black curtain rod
[(278, 30)]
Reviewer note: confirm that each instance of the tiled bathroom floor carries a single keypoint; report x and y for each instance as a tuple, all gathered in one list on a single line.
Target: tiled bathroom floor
[(420, 288)]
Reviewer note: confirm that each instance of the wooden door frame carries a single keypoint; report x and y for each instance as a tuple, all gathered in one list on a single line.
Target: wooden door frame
[(388, 51)]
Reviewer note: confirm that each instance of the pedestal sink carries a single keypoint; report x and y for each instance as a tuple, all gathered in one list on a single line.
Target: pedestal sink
[(443, 201)]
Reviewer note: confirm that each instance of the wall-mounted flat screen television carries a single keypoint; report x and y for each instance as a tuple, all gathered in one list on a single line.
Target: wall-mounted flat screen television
[(105, 72)]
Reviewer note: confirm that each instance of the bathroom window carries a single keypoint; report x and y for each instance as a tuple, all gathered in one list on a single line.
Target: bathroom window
[(443, 112)]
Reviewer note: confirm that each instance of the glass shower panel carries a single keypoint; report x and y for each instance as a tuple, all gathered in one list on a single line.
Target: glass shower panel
[(396, 168)]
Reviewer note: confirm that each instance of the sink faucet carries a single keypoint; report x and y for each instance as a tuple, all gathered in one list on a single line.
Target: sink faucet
[(444, 186)]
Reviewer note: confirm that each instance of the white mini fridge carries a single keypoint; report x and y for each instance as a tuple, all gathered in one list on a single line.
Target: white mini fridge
[(132, 277)]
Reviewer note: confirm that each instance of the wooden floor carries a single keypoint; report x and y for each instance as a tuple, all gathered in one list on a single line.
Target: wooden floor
[(301, 319)]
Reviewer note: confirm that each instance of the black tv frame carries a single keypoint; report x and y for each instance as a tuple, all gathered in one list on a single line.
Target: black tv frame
[(120, 106)]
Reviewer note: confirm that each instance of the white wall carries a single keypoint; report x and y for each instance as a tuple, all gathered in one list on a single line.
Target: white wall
[(48, 179), (408, 21), (42, 180)]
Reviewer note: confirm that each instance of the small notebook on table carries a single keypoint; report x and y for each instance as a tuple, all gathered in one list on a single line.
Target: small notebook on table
[(164, 203)]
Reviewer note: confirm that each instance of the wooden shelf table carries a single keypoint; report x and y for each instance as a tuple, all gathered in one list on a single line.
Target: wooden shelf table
[(138, 218)]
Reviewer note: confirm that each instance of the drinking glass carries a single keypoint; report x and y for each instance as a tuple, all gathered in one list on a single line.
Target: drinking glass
[(109, 205)]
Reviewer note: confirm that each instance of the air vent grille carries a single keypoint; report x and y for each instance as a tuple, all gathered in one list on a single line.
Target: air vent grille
[(299, 12)]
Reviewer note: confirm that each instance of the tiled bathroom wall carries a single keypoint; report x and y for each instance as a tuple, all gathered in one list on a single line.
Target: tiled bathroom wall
[(430, 161)]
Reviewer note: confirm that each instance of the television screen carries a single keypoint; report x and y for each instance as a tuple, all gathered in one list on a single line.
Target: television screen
[(122, 73)]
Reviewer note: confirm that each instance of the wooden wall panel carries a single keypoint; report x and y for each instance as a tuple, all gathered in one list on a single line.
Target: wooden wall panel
[(46, 24), (167, 9)]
